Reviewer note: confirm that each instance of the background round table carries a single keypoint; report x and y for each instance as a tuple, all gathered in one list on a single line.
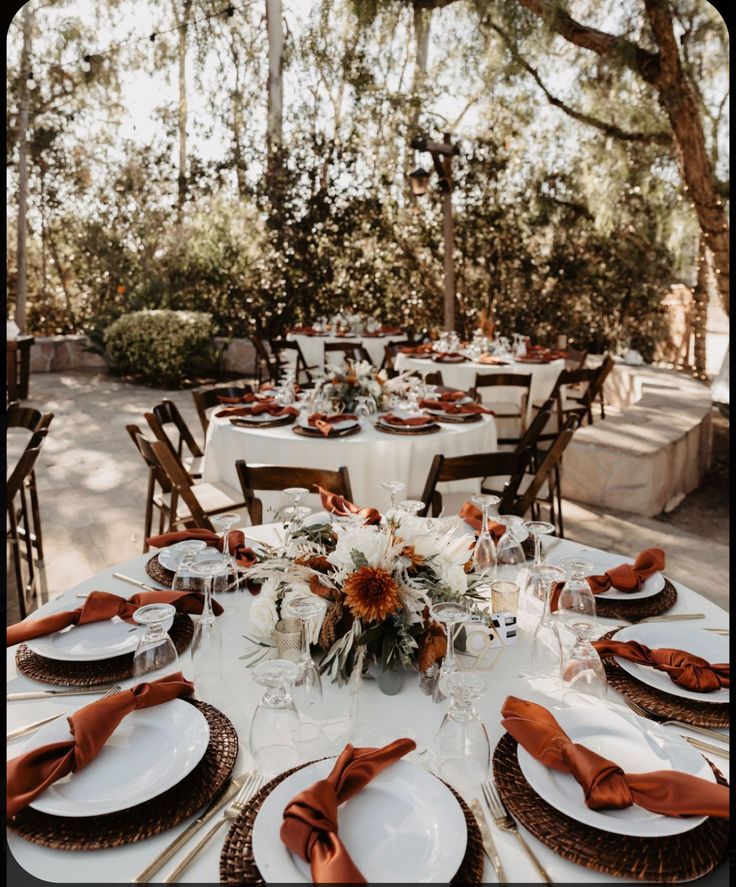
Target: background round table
[(371, 456), (380, 719), (313, 347), (462, 375)]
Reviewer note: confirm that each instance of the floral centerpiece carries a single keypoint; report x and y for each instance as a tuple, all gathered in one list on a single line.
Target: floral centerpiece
[(344, 386), (377, 583)]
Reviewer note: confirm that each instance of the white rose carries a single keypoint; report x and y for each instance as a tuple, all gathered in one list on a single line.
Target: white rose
[(370, 541), (457, 579), (263, 616)]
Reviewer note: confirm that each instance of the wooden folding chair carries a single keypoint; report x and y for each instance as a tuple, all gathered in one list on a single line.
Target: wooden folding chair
[(478, 465), (575, 359), (19, 525), (279, 346), (206, 397), (353, 350), (166, 414), (391, 349), (506, 380), (281, 477), (160, 493), (267, 367)]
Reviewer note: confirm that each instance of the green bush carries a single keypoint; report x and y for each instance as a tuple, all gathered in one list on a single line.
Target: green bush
[(161, 346)]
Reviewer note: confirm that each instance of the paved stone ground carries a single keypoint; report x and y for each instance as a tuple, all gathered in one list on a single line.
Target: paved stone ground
[(92, 486)]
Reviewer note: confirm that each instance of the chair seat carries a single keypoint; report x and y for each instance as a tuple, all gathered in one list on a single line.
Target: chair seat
[(213, 498), (194, 465)]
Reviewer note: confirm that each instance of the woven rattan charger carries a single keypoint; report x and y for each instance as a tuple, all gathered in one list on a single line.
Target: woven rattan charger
[(152, 817), (99, 671), (682, 857), (237, 865), (663, 705), (638, 609)]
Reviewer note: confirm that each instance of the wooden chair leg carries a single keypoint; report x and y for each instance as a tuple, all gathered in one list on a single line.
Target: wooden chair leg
[(35, 511), (15, 545), (558, 492), (148, 519)]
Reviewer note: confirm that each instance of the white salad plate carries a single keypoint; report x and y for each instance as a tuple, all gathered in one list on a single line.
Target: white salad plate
[(404, 827), (637, 746), (709, 646), (151, 751)]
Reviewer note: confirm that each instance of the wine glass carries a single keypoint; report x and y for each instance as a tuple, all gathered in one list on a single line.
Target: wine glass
[(223, 524), (206, 650), (463, 747), (450, 614), (411, 506), (155, 648), (484, 553), (275, 724), (308, 684), (362, 411), (510, 557), (394, 487), (537, 529), (546, 650), (582, 669), (185, 579)]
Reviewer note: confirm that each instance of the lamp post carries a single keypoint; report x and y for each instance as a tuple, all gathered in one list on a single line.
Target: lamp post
[(442, 154)]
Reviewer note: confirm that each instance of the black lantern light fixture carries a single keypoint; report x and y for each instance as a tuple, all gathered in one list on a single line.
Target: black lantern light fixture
[(419, 181)]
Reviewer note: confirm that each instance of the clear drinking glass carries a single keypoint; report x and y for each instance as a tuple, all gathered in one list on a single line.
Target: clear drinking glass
[(484, 554), (155, 648), (463, 747), (185, 579), (537, 529), (450, 614), (504, 596), (275, 725), (308, 684), (394, 487), (582, 669), (206, 655), (546, 650), (223, 523), (510, 557), (411, 506)]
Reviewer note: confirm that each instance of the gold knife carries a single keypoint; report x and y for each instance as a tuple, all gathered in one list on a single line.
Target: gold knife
[(42, 694), (488, 844), (231, 788)]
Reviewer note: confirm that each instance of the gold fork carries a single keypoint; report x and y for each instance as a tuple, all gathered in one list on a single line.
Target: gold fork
[(232, 811), (505, 822), (29, 728), (703, 746)]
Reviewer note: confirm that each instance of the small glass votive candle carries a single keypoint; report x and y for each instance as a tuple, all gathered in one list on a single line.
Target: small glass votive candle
[(504, 597), (562, 342), (288, 638)]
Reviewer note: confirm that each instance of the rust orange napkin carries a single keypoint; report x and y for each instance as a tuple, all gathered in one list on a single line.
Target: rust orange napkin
[(424, 348), (473, 516), (310, 823), (390, 419), (451, 394), (101, 606), (258, 409), (625, 577), (324, 422), (243, 398), (30, 774), (454, 409), (685, 669), (492, 361), (336, 504), (604, 783), (244, 555), (449, 357)]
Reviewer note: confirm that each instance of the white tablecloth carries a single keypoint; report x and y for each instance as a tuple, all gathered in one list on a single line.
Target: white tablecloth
[(381, 719), (371, 456), (313, 347), (462, 375)]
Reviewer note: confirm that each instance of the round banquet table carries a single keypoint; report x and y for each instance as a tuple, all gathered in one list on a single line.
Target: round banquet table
[(313, 347), (462, 375), (371, 456), (380, 719)]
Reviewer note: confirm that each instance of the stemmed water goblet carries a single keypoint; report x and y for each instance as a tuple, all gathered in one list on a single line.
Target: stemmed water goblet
[(223, 523), (206, 655), (275, 725), (510, 557), (450, 614), (155, 648), (411, 506), (394, 487), (582, 669), (537, 529), (484, 553), (186, 579), (546, 649), (307, 684), (463, 747)]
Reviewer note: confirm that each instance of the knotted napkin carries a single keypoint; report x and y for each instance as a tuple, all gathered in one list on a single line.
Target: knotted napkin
[(243, 398), (412, 421), (492, 361), (473, 516), (30, 774), (449, 357), (455, 409), (324, 422), (625, 577), (101, 606), (258, 409), (685, 669), (604, 783), (450, 394), (424, 348), (337, 504), (309, 828), (244, 555)]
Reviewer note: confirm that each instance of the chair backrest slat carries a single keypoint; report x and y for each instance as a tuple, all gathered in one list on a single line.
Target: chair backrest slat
[(181, 482), (354, 350), (23, 468), (207, 397), (546, 468), (167, 413)]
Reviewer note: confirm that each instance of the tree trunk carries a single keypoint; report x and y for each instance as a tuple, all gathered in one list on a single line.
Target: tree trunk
[(422, 23), (238, 125), (275, 109), (700, 310), (183, 26), (25, 98)]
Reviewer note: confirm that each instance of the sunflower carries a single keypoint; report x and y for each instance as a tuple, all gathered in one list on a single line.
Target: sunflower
[(371, 594)]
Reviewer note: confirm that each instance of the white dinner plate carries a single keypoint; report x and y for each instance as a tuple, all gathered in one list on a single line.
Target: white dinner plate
[(404, 827), (338, 426), (151, 751), (638, 746), (602, 562), (711, 647)]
